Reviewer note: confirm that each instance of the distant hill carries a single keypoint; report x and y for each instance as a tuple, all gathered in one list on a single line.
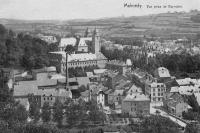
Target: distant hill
[(162, 25)]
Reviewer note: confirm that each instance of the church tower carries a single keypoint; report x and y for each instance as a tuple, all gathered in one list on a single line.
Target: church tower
[(95, 41)]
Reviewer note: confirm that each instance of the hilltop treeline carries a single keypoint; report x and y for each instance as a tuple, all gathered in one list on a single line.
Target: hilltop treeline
[(23, 50), (127, 41), (195, 18), (176, 63)]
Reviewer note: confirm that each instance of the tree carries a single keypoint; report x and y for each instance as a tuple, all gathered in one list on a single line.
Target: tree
[(82, 88), (34, 111), (20, 113), (158, 124), (95, 114), (14, 113), (191, 128), (3, 32), (53, 47), (193, 103), (74, 113), (86, 33), (58, 112), (190, 115), (46, 112)]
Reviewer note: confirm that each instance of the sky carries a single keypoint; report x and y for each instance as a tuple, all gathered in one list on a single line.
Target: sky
[(86, 9)]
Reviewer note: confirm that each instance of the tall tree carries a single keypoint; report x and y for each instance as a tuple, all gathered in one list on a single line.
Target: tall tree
[(86, 33), (69, 50), (95, 114), (34, 111), (46, 112), (73, 113), (20, 113), (58, 112)]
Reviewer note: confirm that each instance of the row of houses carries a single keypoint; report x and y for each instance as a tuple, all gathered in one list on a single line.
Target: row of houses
[(165, 90)]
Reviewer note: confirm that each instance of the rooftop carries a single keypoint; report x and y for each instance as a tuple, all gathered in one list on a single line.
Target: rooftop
[(83, 41), (136, 97), (45, 69), (80, 56), (67, 41), (163, 72)]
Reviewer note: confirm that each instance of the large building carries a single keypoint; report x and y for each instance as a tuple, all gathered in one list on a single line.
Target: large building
[(42, 88), (175, 104), (155, 91), (77, 60), (120, 66), (136, 104), (87, 53)]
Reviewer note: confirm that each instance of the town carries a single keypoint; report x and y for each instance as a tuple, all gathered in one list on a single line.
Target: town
[(88, 83)]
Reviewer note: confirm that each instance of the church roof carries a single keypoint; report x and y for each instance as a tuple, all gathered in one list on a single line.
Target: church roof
[(83, 41)]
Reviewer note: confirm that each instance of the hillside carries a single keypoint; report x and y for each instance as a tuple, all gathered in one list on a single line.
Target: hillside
[(162, 25)]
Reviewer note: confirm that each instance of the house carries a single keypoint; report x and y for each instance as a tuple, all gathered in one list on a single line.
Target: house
[(97, 93), (46, 90), (175, 104), (85, 95), (66, 41), (83, 46), (162, 74), (44, 87), (185, 82), (115, 97), (98, 73), (39, 73), (134, 89), (113, 80), (140, 78), (48, 39), (155, 91), (119, 66), (184, 90), (136, 105)]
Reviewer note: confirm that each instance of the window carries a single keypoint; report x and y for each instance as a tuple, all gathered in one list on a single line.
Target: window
[(153, 94), (44, 99), (161, 94), (158, 89), (158, 99), (158, 94), (153, 90)]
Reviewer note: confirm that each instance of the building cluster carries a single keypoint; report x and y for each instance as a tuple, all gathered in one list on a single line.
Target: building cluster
[(177, 46), (167, 91), (49, 39), (114, 85), (87, 53)]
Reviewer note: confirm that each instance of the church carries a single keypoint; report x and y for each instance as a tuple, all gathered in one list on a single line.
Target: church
[(87, 53)]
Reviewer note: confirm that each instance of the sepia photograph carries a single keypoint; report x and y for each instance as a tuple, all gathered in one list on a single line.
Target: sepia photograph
[(99, 66)]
